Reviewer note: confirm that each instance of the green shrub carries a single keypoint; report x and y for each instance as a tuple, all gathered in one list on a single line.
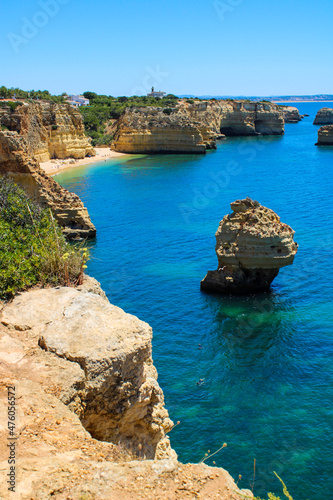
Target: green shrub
[(11, 104), (33, 250), (168, 111)]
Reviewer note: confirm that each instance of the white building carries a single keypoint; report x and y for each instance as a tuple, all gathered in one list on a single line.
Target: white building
[(157, 95), (77, 100)]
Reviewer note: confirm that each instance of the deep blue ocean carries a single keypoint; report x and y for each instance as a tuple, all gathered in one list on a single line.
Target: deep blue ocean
[(266, 360)]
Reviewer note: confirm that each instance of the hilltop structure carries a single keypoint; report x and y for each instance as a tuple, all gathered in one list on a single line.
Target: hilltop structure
[(157, 95)]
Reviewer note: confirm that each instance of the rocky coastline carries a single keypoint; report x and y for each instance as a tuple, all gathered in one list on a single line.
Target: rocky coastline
[(40, 131), (92, 419), (194, 128), (291, 114)]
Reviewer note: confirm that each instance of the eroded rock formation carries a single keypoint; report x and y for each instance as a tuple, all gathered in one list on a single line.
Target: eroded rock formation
[(51, 130), (193, 128), (17, 163), (149, 130), (291, 114), (252, 244), (75, 359), (324, 117), (325, 136)]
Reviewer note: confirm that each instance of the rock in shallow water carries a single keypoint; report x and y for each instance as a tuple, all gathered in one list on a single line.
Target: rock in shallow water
[(252, 244)]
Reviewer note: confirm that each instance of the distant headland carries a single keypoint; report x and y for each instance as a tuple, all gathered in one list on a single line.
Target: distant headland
[(275, 98)]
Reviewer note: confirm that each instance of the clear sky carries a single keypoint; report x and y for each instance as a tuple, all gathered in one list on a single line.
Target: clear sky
[(227, 47)]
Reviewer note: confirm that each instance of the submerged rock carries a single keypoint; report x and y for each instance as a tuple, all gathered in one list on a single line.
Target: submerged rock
[(252, 244)]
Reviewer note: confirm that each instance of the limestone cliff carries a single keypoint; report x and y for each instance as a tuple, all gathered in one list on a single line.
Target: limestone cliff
[(291, 114), (67, 208), (252, 244), (193, 128), (91, 418), (324, 117), (325, 136), (51, 130), (150, 130)]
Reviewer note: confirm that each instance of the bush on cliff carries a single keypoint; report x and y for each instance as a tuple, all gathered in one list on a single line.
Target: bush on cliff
[(104, 108), (33, 250)]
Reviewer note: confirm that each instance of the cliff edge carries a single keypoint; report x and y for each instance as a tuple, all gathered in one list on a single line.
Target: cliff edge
[(91, 422), (51, 130), (194, 128), (17, 163)]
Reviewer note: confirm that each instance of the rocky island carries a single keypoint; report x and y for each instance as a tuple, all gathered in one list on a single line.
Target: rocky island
[(252, 244), (325, 136), (324, 117)]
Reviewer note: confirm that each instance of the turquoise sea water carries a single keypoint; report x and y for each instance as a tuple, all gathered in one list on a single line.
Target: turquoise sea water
[(266, 360)]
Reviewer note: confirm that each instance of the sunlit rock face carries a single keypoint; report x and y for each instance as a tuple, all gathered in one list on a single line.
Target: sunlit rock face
[(325, 136), (252, 244), (67, 208), (291, 114), (324, 117), (194, 128), (51, 130)]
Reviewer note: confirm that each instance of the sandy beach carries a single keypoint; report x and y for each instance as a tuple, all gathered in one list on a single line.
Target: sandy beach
[(52, 167)]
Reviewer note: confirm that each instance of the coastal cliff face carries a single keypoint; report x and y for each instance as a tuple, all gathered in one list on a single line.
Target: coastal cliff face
[(252, 244), (193, 128), (325, 136), (291, 114), (324, 117), (92, 422), (149, 130), (51, 130), (67, 208)]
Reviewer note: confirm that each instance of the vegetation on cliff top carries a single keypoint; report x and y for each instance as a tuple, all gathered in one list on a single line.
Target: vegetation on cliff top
[(9, 93), (102, 109), (33, 250)]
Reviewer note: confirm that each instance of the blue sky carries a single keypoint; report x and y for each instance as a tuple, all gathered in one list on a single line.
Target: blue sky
[(227, 47)]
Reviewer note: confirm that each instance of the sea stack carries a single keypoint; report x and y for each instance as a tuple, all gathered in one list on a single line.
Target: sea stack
[(325, 136), (324, 117), (252, 244)]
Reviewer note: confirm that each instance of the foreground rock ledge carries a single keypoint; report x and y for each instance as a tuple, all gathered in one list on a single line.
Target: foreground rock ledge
[(252, 244), (80, 364)]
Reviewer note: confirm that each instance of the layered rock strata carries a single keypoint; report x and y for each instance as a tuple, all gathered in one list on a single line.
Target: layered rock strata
[(149, 130), (252, 244), (194, 128), (51, 130), (79, 363), (324, 117), (17, 163), (325, 136), (291, 114)]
